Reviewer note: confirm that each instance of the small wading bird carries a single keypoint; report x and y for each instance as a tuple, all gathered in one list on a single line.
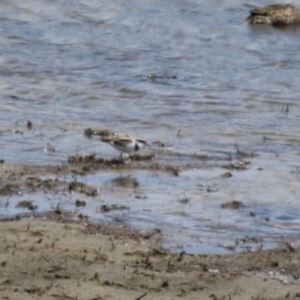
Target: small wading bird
[(125, 143), (274, 15)]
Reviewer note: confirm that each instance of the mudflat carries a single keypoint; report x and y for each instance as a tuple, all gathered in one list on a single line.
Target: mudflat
[(58, 254), (54, 257)]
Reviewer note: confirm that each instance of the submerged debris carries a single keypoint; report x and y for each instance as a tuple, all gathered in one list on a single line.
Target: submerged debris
[(161, 144), (108, 208), (138, 157), (82, 188), (101, 132), (80, 203), (49, 148), (126, 182), (8, 189), (141, 197), (227, 175), (74, 160), (91, 162), (252, 240), (35, 182), (154, 76), (241, 153), (233, 205), (285, 110), (17, 131), (83, 217), (184, 200), (240, 166), (29, 125), (27, 204), (92, 159), (171, 169), (5, 190)]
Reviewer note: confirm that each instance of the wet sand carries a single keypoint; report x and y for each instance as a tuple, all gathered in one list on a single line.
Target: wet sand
[(52, 257), (61, 254)]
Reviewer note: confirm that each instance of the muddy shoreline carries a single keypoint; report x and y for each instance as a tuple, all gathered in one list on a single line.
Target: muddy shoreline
[(54, 257), (62, 254)]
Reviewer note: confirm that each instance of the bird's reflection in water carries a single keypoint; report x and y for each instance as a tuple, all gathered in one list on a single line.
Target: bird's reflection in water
[(126, 182)]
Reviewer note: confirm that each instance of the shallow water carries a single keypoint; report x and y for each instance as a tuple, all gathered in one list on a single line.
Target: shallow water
[(70, 65)]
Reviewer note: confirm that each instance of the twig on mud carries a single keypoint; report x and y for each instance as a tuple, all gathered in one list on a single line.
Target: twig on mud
[(112, 244), (140, 297)]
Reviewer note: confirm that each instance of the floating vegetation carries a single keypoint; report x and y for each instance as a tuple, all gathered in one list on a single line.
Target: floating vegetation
[(27, 204), (233, 205)]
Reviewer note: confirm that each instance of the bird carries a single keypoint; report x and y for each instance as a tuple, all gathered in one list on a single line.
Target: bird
[(125, 143), (274, 15)]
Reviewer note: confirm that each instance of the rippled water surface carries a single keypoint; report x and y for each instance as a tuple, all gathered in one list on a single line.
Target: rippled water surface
[(69, 65)]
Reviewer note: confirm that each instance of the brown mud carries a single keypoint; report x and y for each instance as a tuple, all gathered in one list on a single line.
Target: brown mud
[(54, 257)]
